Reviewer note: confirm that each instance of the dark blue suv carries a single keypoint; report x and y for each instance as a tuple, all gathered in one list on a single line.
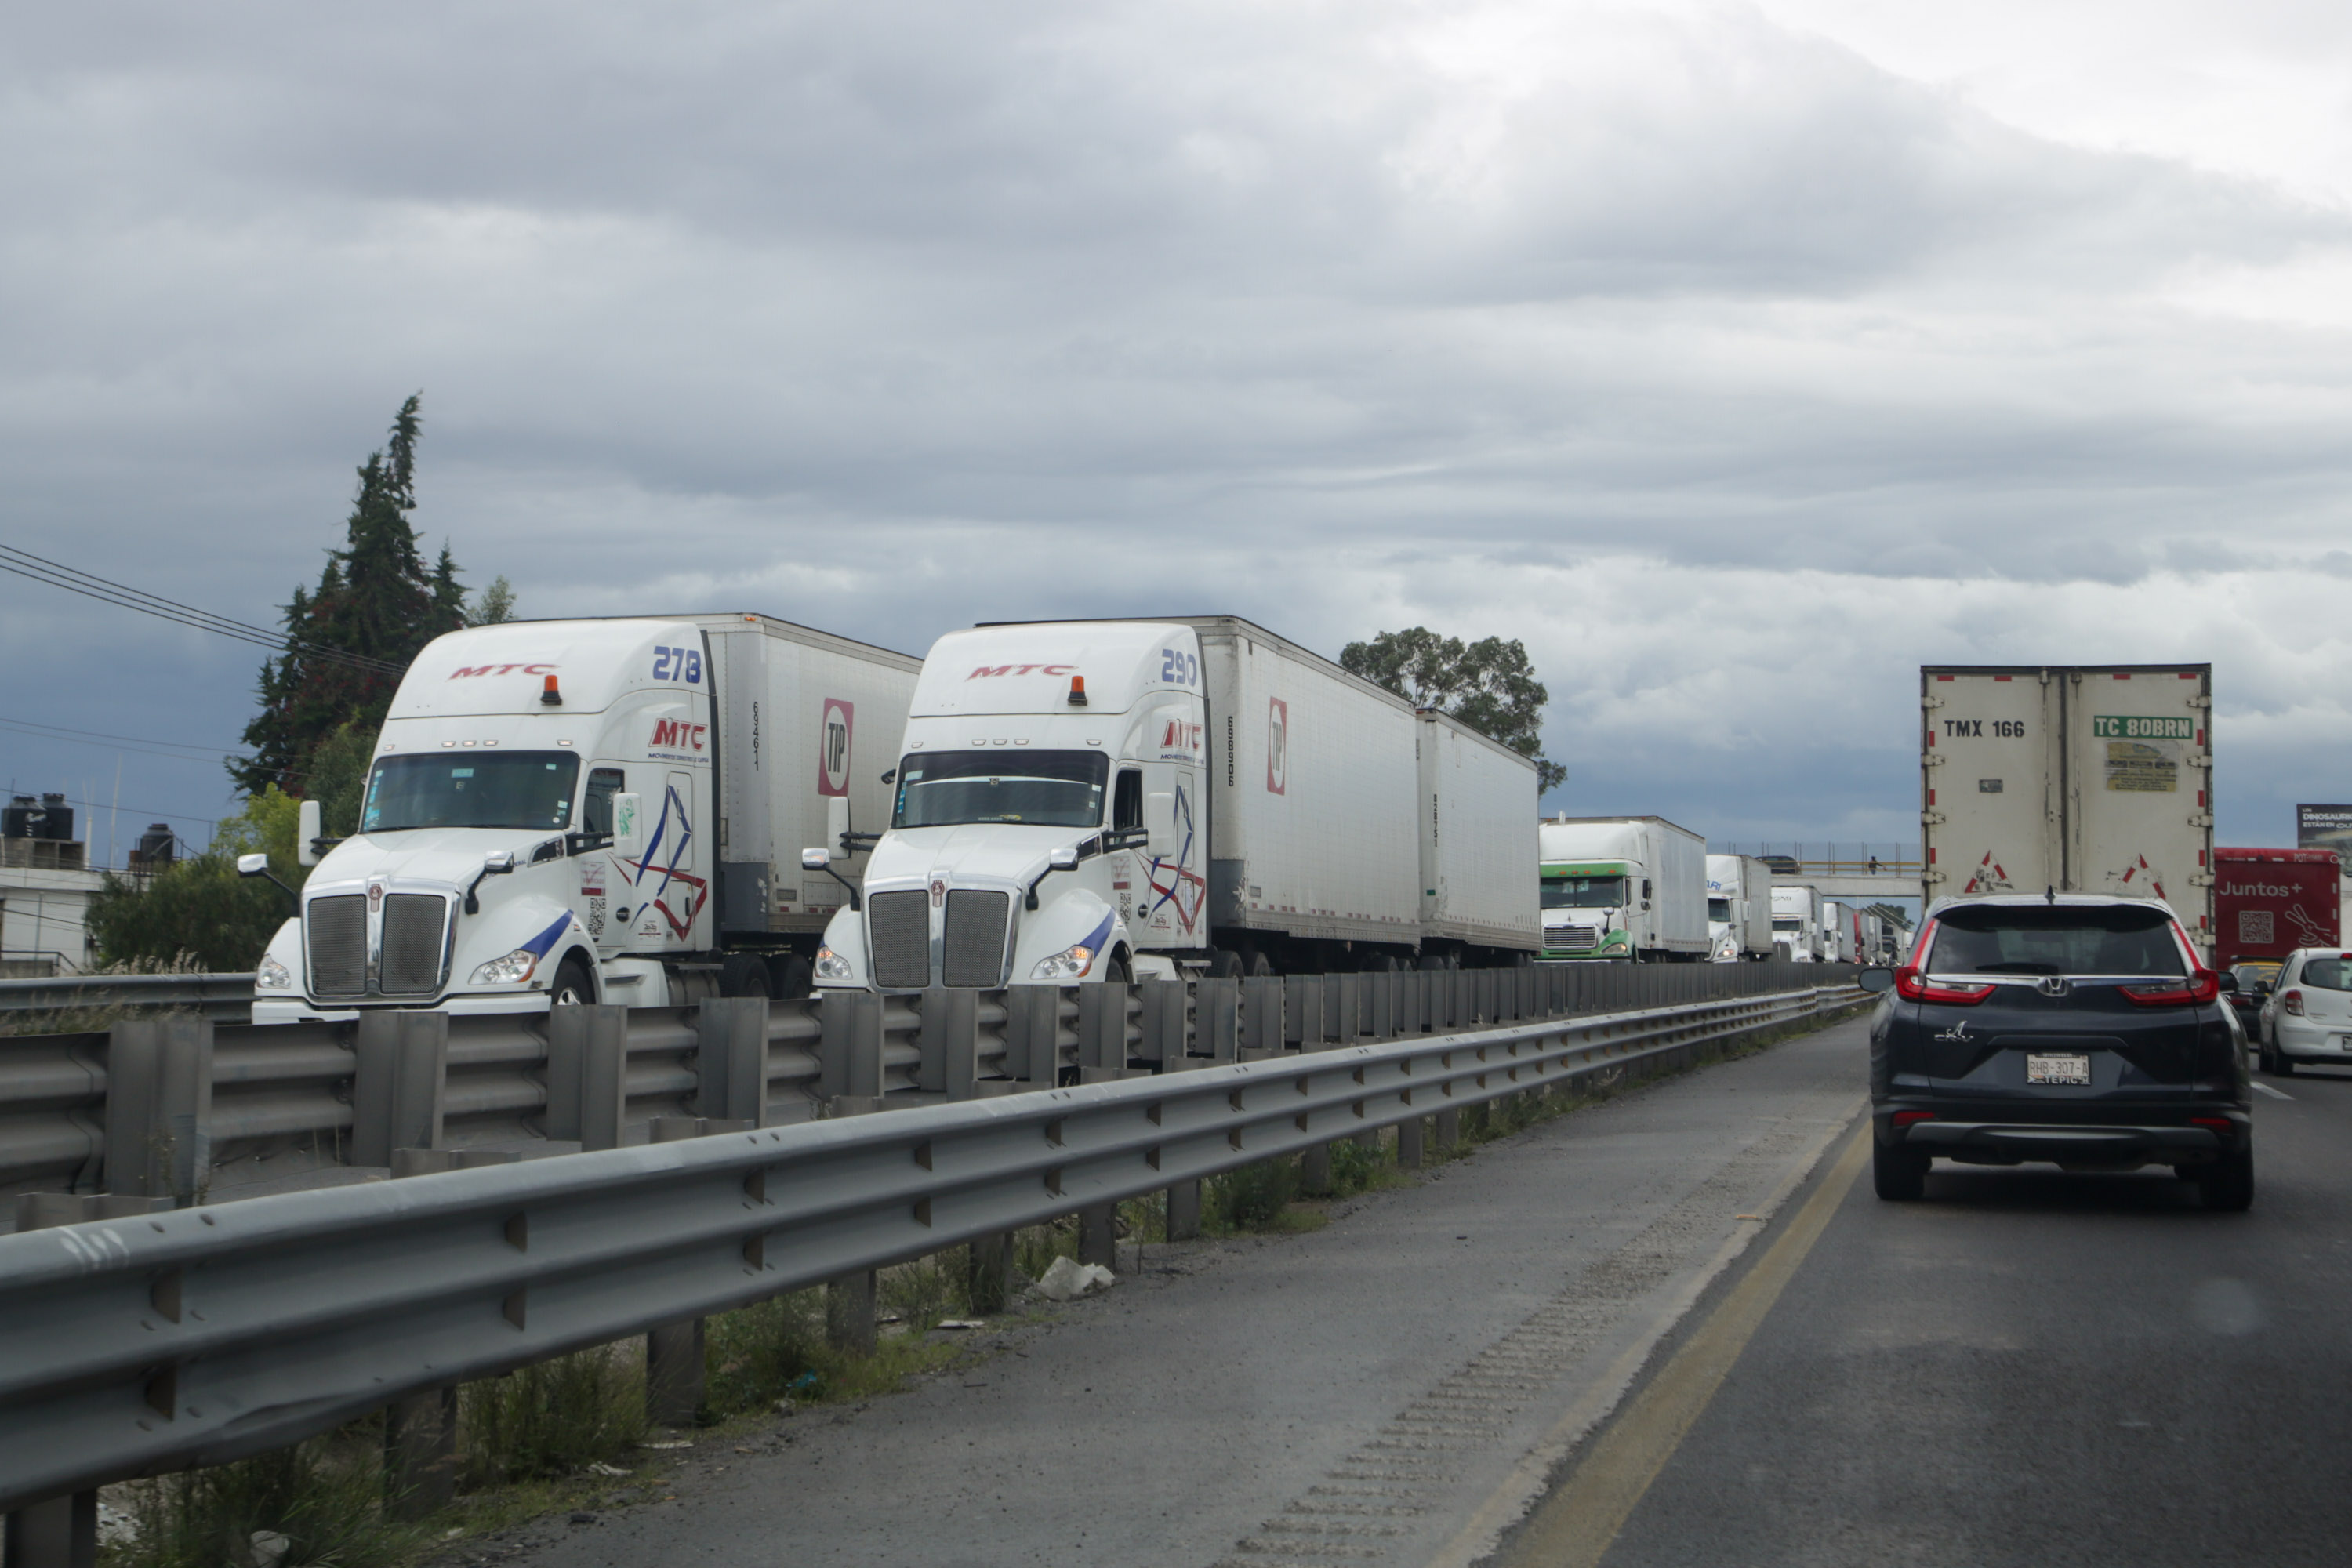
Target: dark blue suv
[(2069, 1027)]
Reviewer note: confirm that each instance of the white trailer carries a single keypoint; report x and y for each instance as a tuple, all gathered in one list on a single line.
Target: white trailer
[(1797, 922), (2094, 779), (1840, 932), (594, 811), (1738, 908), (1622, 887), (1088, 800)]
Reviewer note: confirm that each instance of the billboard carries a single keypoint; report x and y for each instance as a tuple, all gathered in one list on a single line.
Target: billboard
[(2325, 827)]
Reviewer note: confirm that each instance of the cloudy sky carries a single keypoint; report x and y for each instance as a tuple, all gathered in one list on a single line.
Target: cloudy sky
[(1737, 357)]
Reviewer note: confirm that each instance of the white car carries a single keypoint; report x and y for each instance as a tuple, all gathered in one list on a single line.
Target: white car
[(2308, 1015)]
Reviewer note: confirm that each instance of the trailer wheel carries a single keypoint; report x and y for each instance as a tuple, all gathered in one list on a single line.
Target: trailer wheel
[(1225, 964), (575, 986), (1257, 966), (743, 974)]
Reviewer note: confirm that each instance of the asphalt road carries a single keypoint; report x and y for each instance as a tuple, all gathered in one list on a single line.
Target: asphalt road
[(2027, 1368), (1392, 1389)]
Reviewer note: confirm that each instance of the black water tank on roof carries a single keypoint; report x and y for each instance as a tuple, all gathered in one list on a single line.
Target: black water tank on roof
[(59, 815), (155, 846), (17, 817)]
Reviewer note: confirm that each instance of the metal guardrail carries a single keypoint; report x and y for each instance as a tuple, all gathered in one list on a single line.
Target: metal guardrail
[(350, 1092), (163, 1340), (226, 998)]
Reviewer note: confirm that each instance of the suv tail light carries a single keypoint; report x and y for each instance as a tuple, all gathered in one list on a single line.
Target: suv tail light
[(2291, 1003), (2202, 986), (1914, 986)]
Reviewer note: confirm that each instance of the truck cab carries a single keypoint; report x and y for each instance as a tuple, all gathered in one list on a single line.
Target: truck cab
[(1049, 823)]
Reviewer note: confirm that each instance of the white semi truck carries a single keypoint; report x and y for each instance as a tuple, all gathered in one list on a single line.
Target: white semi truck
[(1738, 908), (1797, 922), (1630, 888), (595, 810), (2090, 779), (1080, 801)]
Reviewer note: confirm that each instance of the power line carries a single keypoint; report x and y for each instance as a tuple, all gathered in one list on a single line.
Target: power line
[(24, 564), (145, 745)]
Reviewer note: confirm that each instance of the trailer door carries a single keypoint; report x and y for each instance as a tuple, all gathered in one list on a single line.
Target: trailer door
[(2138, 790), (1991, 802)]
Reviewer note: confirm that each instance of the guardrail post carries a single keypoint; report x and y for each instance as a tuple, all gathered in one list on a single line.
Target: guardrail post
[(989, 1281), (1217, 1019), (1032, 1035), (951, 1043), (1261, 1018), (1164, 1021), (420, 1430), (1384, 1004), (403, 1061), (1102, 1027), (587, 1074), (1098, 1235), (1409, 1144), (159, 1107), (730, 1059), (1449, 1129), (674, 1350), (849, 1053)]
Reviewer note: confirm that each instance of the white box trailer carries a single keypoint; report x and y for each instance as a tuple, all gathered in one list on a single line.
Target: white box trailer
[(1738, 908), (595, 810), (1088, 800), (1622, 887), (1478, 836), (2092, 778)]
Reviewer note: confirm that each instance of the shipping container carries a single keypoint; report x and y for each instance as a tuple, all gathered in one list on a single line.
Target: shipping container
[(2092, 779)]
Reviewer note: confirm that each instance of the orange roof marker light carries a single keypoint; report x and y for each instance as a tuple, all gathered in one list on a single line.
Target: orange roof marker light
[(1077, 691), (550, 696)]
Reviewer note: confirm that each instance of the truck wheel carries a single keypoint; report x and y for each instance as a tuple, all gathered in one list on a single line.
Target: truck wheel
[(1225, 964), (743, 974), (2227, 1185), (1432, 961), (1257, 966), (1899, 1174), (790, 978), (1120, 970), (575, 986)]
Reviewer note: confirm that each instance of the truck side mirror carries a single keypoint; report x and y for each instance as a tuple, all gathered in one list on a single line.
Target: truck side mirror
[(1064, 857), (253, 865), (307, 831), (629, 835), (816, 857), (836, 823), (1160, 824), (499, 863)]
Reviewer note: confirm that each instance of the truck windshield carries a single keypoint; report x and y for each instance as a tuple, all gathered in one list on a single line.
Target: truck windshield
[(1582, 892), (2056, 939), (1049, 789), (1719, 909), (1788, 922), (492, 789)]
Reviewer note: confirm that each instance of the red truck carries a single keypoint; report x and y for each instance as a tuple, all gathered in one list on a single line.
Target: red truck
[(2268, 902)]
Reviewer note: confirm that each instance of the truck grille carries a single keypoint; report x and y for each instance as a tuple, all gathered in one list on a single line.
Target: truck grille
[(413, 924), (974, 949), (1565, 939), (899, 927), (336, 930)]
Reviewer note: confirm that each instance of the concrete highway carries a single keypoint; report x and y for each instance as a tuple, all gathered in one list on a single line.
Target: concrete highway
[(1672, 1329)]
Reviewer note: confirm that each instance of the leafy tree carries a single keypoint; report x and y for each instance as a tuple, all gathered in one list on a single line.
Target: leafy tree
[(494, 605), (200, 911), (1487, 685), (375, 599), (339, 769)]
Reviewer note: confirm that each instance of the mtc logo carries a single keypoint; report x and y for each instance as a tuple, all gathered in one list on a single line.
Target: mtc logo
[(501, 670), (995, 669), (677, 735), (1180, 737)]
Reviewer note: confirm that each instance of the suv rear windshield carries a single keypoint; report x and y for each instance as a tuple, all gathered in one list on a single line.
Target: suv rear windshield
[(2326, 975), (2056, 939)]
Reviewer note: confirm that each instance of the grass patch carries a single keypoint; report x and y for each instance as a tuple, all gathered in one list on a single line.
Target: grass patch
[(325, 1496), (552, 1419)]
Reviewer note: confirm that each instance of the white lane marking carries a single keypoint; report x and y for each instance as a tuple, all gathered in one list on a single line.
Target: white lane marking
[(2274, 1093)]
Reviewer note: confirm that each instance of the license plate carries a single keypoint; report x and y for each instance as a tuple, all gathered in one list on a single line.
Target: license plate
[(2039, 1068)]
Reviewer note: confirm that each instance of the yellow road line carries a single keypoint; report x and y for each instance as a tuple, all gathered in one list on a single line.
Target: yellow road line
[(1576, 1525)]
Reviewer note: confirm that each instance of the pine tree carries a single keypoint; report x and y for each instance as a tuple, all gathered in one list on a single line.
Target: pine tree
[(376, 599)]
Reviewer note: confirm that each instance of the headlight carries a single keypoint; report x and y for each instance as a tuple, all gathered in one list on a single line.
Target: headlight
[(1070, 964), (272, 975), (512, 970), (832, 966)]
